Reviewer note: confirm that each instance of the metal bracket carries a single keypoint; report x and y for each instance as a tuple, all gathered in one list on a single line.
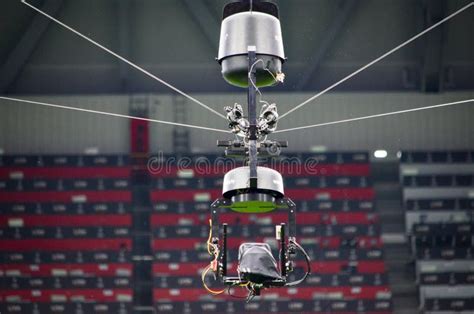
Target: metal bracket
[(223, 257), (291, 219), (252, 113), (283, 256), (215, 221)]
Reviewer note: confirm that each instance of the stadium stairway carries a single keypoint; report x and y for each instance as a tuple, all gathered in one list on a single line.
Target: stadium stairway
[(388, 195)]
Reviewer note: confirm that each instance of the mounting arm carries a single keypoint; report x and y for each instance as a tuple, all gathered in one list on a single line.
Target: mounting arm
[(252, 112)]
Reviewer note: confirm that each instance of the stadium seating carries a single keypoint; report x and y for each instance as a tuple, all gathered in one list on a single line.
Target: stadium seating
[(438, 194), (65, 234), (337, 224)]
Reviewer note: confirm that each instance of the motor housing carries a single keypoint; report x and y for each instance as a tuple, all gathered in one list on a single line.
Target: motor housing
[(236, 187), (245, 26)]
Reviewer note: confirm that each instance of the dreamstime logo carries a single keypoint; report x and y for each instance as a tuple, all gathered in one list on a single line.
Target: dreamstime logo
[(201, 165), (162, 164)]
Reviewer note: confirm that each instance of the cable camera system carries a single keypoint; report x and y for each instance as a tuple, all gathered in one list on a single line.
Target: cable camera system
[(251, 55)]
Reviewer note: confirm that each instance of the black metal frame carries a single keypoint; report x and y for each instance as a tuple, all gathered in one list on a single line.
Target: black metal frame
[(287, 237)]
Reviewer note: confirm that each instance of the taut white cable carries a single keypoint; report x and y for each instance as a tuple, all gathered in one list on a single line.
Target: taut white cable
[(124, 59), (378, 59), (113, 114), (376, 116)]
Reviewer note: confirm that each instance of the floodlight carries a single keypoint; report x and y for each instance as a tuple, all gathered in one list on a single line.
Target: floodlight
[(380, 153)]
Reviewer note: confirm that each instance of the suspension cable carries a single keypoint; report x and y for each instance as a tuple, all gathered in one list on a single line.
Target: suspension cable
[(113, 114), (123, 59), (375, 116), (377, 60)]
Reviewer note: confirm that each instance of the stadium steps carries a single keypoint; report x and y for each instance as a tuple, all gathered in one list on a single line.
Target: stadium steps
[(142, 255), (385, 176)]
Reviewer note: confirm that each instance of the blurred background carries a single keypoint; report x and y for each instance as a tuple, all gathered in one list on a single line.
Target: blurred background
[(85, 227)]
